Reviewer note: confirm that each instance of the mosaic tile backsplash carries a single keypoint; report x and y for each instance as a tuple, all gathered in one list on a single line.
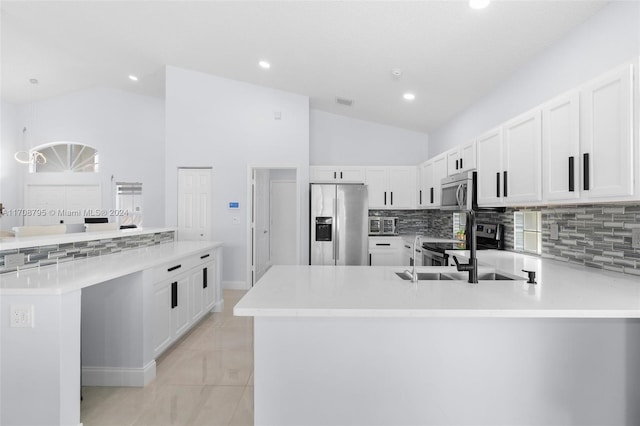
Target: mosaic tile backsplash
[(58, 253), (595, 235)]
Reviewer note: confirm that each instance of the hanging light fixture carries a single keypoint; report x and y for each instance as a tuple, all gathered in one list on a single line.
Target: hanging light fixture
[(31, 156)]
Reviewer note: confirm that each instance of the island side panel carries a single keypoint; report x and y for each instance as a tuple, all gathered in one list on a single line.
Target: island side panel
[(436, 371), (40, 383)]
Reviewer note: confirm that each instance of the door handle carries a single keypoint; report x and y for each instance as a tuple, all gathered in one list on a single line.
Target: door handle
[(571, 175), (585, 165), (505, 183)]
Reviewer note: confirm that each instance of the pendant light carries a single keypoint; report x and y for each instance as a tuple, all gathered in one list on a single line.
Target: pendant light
[(30, 156)]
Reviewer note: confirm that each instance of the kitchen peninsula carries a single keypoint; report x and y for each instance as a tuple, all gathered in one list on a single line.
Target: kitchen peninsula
[(105, 316), (359, 345)]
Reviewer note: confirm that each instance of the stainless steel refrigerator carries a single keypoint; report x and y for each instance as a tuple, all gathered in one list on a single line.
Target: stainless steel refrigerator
[(339, 234)]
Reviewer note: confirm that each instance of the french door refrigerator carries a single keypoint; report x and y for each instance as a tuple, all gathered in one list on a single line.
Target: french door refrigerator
[(339, 219)]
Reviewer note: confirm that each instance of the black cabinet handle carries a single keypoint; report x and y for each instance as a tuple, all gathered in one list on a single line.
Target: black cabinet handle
[(385, 198), (461, 164), (383, 244), (505, 183), (571, 175), (585, 160), (391, 197), (498, 184), (335, 175), (174, 294), (431, 195), (204, 256), (421, 196), (369, 259), (173, 268), (456, 164), (204, 278), (340, 175)]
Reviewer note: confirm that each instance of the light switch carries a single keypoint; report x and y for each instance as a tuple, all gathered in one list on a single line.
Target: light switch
[(236, 220)]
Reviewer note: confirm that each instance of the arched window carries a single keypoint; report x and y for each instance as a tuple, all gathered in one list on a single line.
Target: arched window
[(58, 157)]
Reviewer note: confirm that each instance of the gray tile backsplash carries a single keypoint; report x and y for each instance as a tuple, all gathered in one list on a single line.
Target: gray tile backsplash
[(594, 235), (66, 252)]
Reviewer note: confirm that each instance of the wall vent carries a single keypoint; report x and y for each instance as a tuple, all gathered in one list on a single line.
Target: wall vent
[(344, 101)]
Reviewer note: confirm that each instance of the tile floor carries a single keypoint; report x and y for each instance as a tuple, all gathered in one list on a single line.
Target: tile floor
[(204, 379)]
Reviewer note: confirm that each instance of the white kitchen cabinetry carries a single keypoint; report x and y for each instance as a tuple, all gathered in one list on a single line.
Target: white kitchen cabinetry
[(607, 137), (431, 174), (183, 292), (336, 174), (386, 251), (391, 187), (561, 148), (462, 158), (510, 162)]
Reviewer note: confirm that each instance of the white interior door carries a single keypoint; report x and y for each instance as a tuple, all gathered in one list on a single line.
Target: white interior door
[(194, 204), (262, 258), (283, 223)]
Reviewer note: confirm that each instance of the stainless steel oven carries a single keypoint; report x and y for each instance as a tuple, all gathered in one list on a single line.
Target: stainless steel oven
[(435, 255)]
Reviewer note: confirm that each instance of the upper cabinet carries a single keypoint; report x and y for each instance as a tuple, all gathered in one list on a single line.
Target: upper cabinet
[(336, 174), (431, 174), (588, 141), (510, 162), (607, 136), (391, 187), (462, 158)]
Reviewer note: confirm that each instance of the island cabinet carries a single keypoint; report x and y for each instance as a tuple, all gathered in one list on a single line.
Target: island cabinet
[(183, 292), (386, 251)]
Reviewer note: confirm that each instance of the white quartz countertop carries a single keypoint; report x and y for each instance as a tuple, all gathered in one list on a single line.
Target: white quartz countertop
[(10, 243), (562, 291), (80, 273)]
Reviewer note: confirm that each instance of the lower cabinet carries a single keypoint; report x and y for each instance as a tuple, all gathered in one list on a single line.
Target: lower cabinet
[(385, 251), (180, 299)]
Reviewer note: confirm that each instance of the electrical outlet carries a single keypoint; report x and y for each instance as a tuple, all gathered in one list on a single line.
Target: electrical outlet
[(635, 238), (553, 231), (21, 316)]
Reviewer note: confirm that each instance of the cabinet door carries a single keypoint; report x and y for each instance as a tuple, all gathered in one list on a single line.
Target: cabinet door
[(376, 180), (210, 285), (490, 168), (350, 174), (196, 293), (386, 258), (607, 138), (439, 172), (180, 312), (561, 148), (522, 149), (162, 330), (468, 156), (423, 181), (402, 188), (453, 161), (323, 174)]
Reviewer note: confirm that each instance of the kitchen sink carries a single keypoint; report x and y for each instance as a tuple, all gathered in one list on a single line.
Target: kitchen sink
[(460, 276)]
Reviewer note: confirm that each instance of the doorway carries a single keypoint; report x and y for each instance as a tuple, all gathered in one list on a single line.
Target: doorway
[(274, 225)]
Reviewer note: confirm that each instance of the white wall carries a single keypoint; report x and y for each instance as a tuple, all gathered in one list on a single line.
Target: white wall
[(609, 38), (230, 126), (340, 140), (10, 176), (127, 130)]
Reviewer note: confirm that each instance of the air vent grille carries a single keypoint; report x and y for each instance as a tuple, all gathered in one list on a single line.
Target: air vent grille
[(344, 101)]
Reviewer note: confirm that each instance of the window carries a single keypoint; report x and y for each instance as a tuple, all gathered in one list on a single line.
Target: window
[(528, 231), (65, 157)]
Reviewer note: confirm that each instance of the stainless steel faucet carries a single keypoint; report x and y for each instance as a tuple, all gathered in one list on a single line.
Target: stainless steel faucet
[(414, 274), (472, 266)]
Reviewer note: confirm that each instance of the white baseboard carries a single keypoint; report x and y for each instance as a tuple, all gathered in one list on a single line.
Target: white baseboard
[(235, 285), (108, 376)]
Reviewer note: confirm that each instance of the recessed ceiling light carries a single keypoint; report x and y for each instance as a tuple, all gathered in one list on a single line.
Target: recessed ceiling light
[(409, 96), (264, 64), (33, 80), (133, 77), (479, 4)]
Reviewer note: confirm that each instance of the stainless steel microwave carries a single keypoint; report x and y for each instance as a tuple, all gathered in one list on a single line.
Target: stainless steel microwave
[(457, 192), (383, 225)]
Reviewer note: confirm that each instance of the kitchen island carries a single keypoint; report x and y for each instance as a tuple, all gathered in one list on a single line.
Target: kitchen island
[(359, 345), (104, 318)]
